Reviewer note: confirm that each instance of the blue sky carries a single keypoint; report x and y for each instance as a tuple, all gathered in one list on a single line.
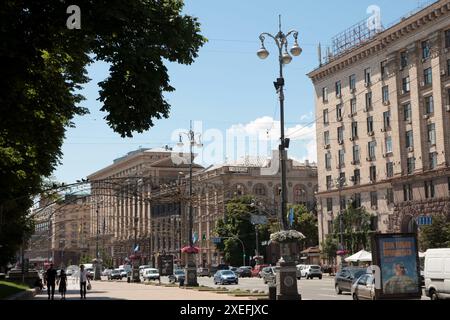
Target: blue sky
[(228, 86)]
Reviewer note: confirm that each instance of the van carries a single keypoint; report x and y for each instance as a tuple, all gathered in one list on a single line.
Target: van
[(437, 273)]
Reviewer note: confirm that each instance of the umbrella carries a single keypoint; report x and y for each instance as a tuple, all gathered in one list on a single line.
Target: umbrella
[(362, 255)]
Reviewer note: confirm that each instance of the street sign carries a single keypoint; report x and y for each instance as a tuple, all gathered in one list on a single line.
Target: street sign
[(258, 219), (216, 240), (424, 220)]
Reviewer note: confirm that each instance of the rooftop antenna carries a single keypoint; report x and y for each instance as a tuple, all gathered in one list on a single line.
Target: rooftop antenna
[(319, 54)]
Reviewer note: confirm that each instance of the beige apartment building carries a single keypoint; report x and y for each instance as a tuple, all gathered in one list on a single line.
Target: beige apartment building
[(383, 123)]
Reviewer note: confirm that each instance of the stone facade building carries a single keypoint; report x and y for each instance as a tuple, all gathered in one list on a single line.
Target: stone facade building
[(383, 121)]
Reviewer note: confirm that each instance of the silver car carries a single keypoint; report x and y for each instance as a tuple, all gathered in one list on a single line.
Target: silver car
[(364, 288)]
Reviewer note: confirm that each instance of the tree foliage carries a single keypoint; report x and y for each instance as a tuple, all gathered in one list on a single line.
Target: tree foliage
[(436, 235), (43, 67)]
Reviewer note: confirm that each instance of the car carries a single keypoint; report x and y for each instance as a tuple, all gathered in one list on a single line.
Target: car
[(303, 269), (437, 273), (106, 272), (225, 276), (215, 268), (115, 275), (203, 272), (123, 273), (234, 269), (141, 268), (344, 279), (313, 271), (151, 274), (90, 273), (268, 274), (177, 276), (364, 288), (257, 269), (244, 272)]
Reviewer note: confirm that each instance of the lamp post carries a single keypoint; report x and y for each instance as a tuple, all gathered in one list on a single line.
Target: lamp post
[(286, 278), (135, 261), (97, 266), (191, 268), (340, 182)]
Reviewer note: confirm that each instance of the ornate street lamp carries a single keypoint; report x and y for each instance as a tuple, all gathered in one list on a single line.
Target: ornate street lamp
[(286, 278), (191, 267)]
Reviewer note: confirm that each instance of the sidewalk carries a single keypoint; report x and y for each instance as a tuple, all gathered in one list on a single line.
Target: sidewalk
[(104, 290)]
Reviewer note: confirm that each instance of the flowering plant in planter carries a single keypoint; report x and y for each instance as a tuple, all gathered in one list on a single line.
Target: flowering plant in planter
[(189, 249), (287, 236)]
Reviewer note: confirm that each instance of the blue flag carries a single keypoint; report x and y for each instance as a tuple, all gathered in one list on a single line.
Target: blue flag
[(136, 249), (194, 237), (291, 216)]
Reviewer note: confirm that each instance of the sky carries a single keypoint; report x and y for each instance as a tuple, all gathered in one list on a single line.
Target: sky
[(228, 91)]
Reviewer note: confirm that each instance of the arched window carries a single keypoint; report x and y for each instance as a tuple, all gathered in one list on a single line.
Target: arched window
[(238, 190), (300, 195), (259, 190)]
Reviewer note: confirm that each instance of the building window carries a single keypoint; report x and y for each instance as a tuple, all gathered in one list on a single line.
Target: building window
[(330, 226), (342, 203), (260, 190), (405, 85), (431, 133), (427, 76), (352, 82), (370, 124), (385, 93), (356, 176), (373, 173), (426, 49), (338, 88), (447, 38), (410, 165), (367, 76), (409, 139), (389, 169), (353, 106), (354, 129), (433, 160), (429, 105), (355, 154), (374, 199), (448, 67), (429, 189), (368, 100), (339, 112), (326, 137), (328, 161), (374, 223), (299, 195), (388, 142), (329, 204), (386, 120), (341, 158), (407, 112), (340, 134), (403, 59), (389, 196), (383, 69), (407, 192), (324, 94), (325, 117), (357, 200), (329, 182), (371, 147), (448, 185)]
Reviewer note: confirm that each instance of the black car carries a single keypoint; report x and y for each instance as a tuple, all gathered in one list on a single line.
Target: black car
[(244, 272), (344, 278)]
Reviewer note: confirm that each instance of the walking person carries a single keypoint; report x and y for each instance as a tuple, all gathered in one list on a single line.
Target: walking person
[(62, 284), (83, 279), (50, 276)]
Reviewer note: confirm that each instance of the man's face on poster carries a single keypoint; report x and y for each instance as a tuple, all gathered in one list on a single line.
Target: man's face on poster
[(399, 269)]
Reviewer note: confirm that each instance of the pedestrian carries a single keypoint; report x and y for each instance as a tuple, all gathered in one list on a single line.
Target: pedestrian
[(83, 279), (50, 276), (62, 284)]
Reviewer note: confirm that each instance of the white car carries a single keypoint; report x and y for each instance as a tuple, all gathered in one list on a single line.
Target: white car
[(437, 273), (141, 268), (150, 274), (303, 269), (313, 271)]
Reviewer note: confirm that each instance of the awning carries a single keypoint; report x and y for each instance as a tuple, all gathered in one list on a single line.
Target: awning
[(363, 256)]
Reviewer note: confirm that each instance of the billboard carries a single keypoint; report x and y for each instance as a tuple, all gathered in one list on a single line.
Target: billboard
[(165, 264), (397, 256)]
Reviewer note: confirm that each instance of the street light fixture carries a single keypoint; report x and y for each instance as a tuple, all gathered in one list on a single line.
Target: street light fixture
[(287, 284), (191, 267)]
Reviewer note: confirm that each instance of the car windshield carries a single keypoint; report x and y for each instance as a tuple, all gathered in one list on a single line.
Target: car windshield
[(356, 273), (152, 271), (315, 267), (116, 271), (227, 273)]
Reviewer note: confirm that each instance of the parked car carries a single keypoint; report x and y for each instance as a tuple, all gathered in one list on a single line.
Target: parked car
[(364, 288), (344, 278), (203, 272), (225, 276), (244, 272), (257, 270), (106, 272), (234, 269), (178, 274), (90, 273), (214, 269), (268, 274), (437, 273), (115, 275), (123, 273), (313, 271), (150, 274), (141, 268)]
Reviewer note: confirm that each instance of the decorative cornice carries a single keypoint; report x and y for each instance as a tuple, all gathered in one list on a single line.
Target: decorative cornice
[(383, 39)]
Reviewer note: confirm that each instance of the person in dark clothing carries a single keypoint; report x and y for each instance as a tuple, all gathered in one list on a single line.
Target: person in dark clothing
[(51, 279), (62, 285)]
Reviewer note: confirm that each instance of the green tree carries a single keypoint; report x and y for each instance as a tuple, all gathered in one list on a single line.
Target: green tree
[(306, 223), (43, 66), (329, 248), (436, 235)]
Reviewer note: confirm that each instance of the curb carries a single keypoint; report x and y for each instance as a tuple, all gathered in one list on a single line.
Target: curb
[(24, 295)]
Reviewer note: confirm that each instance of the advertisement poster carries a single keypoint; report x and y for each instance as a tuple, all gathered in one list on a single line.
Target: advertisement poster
[(165, 264), (397, 258)]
